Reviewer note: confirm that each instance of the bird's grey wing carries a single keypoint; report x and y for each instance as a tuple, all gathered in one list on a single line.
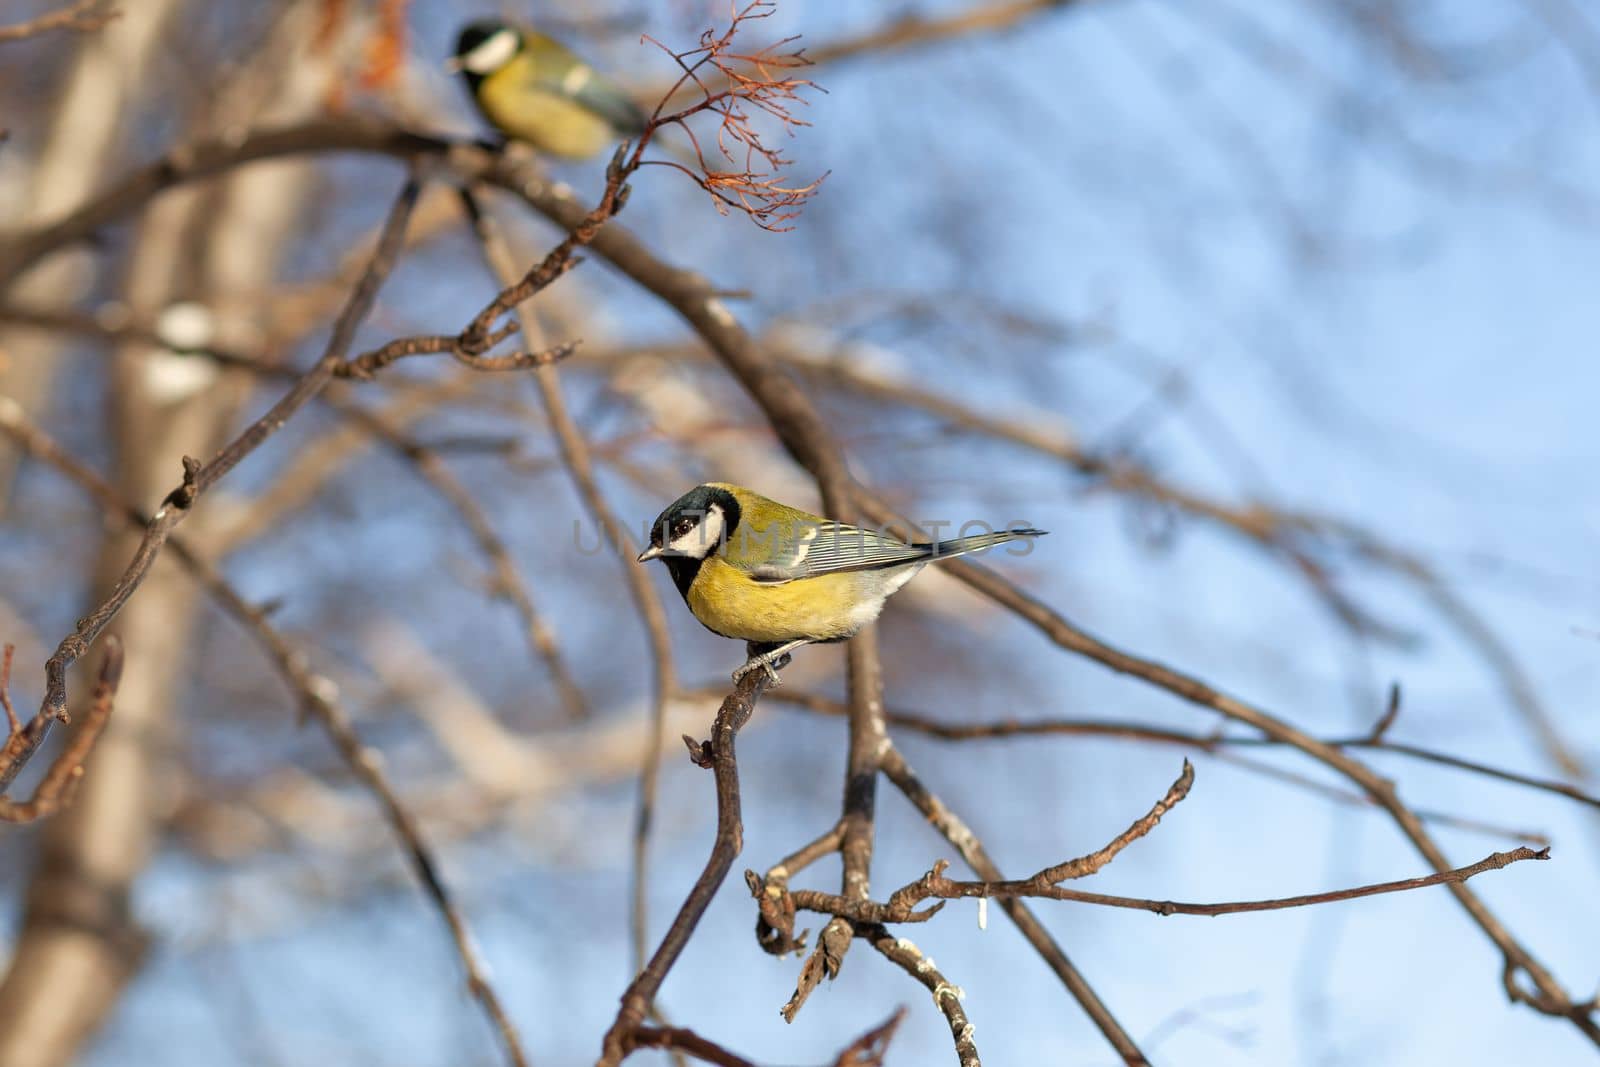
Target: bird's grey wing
[(594, 92), (831, 547), (609, 101)]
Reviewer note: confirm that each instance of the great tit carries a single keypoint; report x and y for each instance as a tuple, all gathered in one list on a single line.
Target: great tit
[(777, 577), (533, 88)]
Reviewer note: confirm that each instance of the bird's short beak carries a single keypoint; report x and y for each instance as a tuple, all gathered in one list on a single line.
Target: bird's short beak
[(653, 552), (452, 65)]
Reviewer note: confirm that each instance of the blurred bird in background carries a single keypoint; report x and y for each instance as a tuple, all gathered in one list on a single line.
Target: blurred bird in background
[(533, 88)]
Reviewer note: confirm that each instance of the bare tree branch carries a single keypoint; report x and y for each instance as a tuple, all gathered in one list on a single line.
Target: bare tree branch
[(901, 907), (736, 86), (718, 755), (56, 788), (936, 885), (83, 15), (868, 1050), (946, 997), (1000, 729)]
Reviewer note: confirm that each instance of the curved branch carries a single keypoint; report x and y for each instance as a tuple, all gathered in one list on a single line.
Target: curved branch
[(946, 997), (719, 756)]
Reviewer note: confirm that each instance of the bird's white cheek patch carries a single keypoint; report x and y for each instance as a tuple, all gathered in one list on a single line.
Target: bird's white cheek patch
[(492, 54), (701, 541)]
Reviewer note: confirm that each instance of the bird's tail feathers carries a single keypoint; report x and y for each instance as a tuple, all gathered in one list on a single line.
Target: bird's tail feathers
[(960, 546)]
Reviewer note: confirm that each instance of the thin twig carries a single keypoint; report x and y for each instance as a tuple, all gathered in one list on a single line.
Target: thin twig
[(83, 15), (867, 1050), (717, 754), (1116, 729), (747, 84), (60, 783), (902, 905), (12, 725), (774, 907), (857, 821), (914, 30), (946, 997), (934, 885)]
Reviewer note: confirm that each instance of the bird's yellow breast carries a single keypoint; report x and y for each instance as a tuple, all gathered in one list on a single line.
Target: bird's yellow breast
[(549, 122), (823, 608)]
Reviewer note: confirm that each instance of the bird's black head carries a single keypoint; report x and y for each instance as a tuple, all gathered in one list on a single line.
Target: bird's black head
[(691, 529), (695, 524), (484, 46)]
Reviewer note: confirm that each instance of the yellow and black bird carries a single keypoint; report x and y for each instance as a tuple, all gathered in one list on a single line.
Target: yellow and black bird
[(777, 577), (532, 88)]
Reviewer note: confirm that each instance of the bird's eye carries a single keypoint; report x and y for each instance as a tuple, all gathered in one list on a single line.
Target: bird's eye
[(681, 527)]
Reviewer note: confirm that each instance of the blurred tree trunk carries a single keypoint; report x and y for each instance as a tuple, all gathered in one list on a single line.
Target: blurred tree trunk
[(86, 131), (80, 941)]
